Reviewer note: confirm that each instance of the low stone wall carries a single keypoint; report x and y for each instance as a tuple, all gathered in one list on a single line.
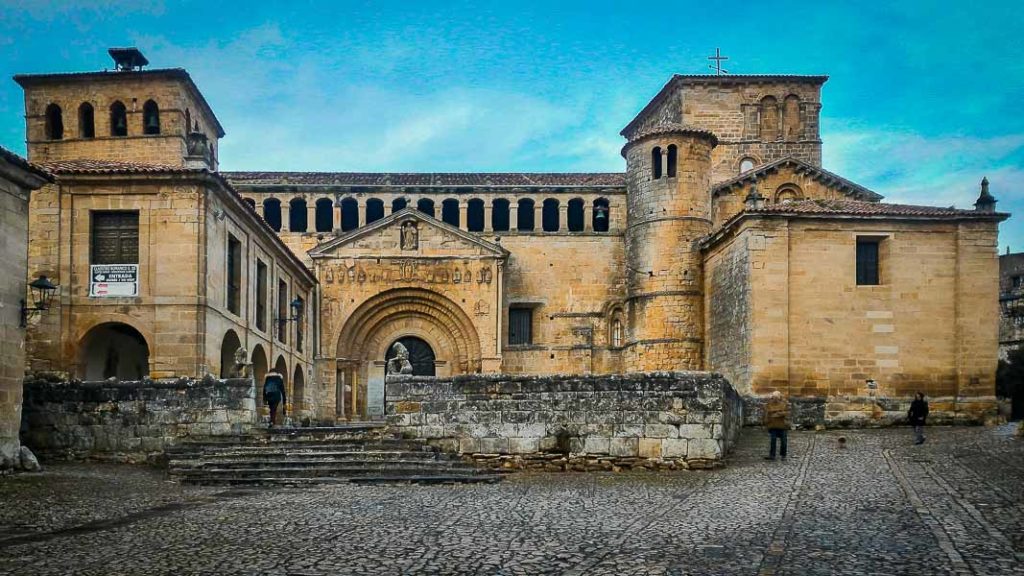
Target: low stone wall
[(577, 422), (867, 411), (130, 421)]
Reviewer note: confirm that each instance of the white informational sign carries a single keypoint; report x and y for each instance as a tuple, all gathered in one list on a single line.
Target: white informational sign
[(113, 280)]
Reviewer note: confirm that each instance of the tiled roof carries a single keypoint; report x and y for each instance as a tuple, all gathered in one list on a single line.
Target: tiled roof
[(817, 173), (858, 208), (26, 80), (24, 164), (673, 128), (552, 179)]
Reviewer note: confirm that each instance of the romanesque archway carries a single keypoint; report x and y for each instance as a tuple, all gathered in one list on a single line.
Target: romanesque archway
[(113, 350), (228, 347), (390, 316), (259, 371), (421, 355), (298, 389)]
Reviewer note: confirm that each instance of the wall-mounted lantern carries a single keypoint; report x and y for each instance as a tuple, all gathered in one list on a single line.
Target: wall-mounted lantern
[(42, 295)]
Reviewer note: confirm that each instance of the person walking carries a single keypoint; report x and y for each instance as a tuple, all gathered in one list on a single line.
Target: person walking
[(273, 394), (776, 420), (917, 415)]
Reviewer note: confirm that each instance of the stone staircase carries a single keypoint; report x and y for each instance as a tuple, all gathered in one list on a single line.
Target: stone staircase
[(357, 453)]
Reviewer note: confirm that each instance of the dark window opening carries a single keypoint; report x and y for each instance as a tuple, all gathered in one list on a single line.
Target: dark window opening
[(297, 219), (282, 311), (656, 162), (349, 214), (150, 118), (234, 296), (251, 202), (272, 213), (450, 212), (54, 122), (324, 215), (118, 119), (575, 215), (115, 238), (374, 210), (520, 326), (602, 214), (300, 325), (261, 296), (549, 215), (421, 356), (673, 153), (86, 121), (398, 204), (500, 215), (475, 215), (524, 219), (867, 261), (426, 206)]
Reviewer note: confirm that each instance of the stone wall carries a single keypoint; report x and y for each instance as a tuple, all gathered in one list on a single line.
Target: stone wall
[(131, 421), (584, 422)]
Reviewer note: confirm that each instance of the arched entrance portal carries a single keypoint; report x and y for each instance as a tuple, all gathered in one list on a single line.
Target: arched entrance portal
[(421, 355), (259, 371), (441, 338), (113, 350), (228, 347)]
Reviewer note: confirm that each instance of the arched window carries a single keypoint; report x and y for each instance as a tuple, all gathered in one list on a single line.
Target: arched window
[(398, 204), (349, 214), (113, 350), (450, 212), (188, 127), (297, 220), (602, 214), (769, 119), (524, 218), (426, 205), (86, 121), (656, 162), (118, 119), (747, 164), (324, 215), (549, 215), (272, 213), (228, 346), (672, 154), (575, 215), (788, 193), (791, 118), (499, 215), (298, 390), (374, 210), (150, 118), (475, 215), (54, 122)]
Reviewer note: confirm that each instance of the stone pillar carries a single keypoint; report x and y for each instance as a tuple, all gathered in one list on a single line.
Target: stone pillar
[(336, 215), (513, 214), (311, 216), (286, 216), (588, 216), (463, 211), (488, 216), (538, 216), (361, 208), (563, 219)]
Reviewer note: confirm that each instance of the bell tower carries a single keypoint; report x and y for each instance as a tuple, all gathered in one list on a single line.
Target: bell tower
[(128, 114), (668, 180)]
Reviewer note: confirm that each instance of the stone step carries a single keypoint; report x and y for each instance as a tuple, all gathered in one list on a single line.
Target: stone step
[(316, 464), (382, 479), (315, 456), (300, 447), (335, 471)]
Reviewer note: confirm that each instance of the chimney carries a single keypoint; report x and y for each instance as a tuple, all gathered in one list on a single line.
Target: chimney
[(127, 59), (986, 202)]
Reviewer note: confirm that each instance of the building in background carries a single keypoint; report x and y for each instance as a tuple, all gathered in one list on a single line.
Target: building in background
[(1011, 302)]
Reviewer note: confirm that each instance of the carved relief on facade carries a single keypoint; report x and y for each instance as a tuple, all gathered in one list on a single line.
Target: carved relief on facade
[(481, 308), (410, 236)]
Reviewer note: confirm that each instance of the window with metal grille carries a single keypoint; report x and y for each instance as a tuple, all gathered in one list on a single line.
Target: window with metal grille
[(867, 261), (261, 296), (115, 238), (282, 311), (520, 326), (234, 274)]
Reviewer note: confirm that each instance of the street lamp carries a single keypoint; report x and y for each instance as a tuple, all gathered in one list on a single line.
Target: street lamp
[(42, 295)]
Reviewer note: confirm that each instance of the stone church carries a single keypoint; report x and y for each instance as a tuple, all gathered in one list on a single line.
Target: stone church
[(723, 246)]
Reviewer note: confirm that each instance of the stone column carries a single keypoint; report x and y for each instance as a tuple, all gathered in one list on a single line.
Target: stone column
[(513, 215), (361, 208), (336, 214), (311, 216), (538, 216), (588, 216), (563, 213), (463, 212), (488, 215), (286, 216)]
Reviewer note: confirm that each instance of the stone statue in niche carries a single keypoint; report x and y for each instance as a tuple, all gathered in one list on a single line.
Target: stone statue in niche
[(485, 276), (241, 362), (400, 363), (457, 276), (330, 275), (410, 236)]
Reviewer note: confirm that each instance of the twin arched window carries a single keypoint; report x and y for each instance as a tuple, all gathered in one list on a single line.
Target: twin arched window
[(672, 159), (54, 117)]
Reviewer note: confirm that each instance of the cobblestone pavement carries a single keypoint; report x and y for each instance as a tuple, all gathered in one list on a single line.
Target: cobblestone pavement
[(879, 506)]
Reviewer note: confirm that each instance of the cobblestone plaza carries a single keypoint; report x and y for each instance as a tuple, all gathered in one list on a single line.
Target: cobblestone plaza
[(878, 506)]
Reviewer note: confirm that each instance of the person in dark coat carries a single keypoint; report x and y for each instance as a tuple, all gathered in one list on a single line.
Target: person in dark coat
[(917, 415), (273, 394)]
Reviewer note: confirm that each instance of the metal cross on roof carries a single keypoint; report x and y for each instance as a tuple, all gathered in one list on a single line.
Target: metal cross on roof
[(717, 66)]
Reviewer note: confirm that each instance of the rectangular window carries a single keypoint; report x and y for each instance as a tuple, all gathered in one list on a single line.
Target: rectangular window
[(867, 261), (1017, 282), (282, 311), (261, 296), (520, 326), (115, 238), (234, 275), (300, 325)]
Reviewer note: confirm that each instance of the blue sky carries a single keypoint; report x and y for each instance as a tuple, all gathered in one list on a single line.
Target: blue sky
[(924, 99)]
